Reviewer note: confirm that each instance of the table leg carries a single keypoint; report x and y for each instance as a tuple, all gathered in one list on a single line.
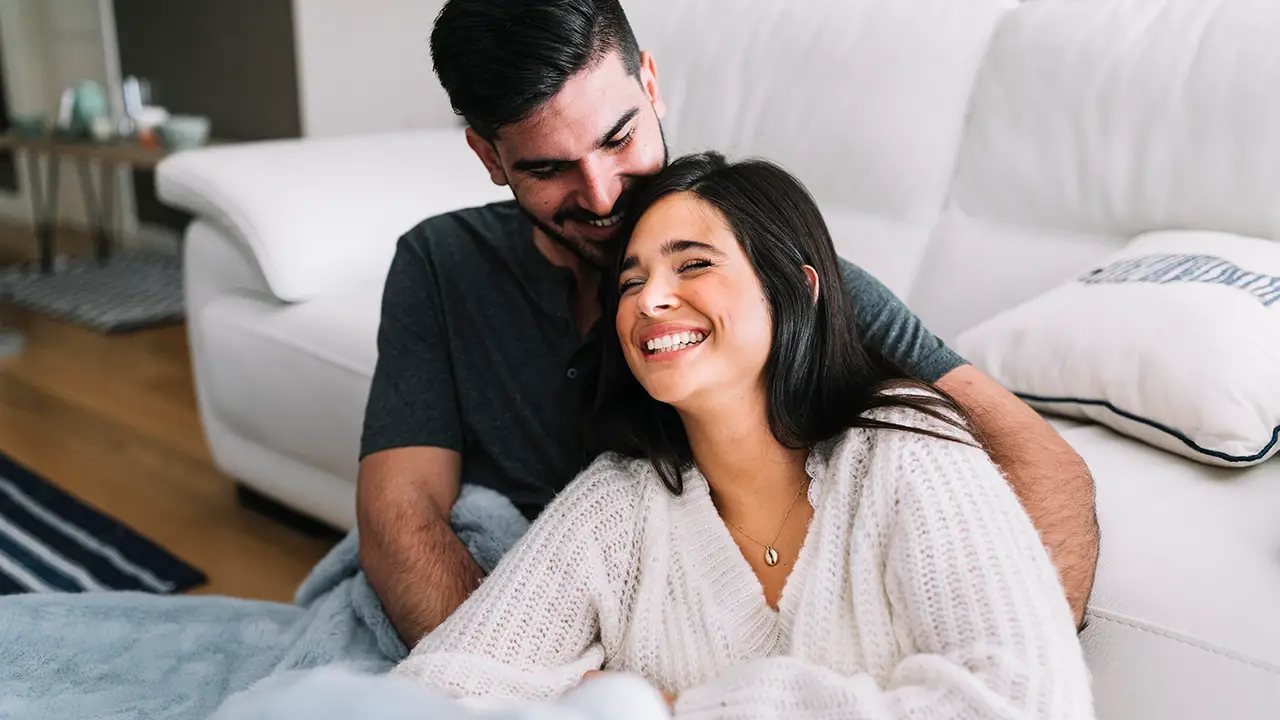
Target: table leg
[(107, 186), (98, 206), (44, 206)]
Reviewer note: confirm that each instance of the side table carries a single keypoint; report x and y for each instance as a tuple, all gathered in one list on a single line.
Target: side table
[(98, 205)]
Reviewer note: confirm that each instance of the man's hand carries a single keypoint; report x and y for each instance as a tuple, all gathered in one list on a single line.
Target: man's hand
[(418, 567), (1051, 480)]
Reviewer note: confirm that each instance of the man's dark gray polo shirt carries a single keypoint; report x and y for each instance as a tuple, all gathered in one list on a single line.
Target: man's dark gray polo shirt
[(478, 352)]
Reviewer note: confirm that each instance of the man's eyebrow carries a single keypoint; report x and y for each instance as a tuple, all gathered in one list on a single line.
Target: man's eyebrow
[(528, 164), (538, 163), (627, 117), (673, 247)]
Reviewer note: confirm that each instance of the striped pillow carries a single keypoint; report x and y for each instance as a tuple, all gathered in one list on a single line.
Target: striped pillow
[(1174, 341)]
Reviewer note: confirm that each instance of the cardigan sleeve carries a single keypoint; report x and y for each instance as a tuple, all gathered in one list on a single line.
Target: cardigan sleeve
[(974, 599), (533, 627)]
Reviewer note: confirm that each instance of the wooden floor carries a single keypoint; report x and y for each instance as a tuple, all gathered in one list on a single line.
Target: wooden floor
[(113, 420)]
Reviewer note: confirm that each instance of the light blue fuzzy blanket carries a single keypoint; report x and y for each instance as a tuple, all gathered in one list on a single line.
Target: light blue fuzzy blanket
[(133, 655), (339, 693)]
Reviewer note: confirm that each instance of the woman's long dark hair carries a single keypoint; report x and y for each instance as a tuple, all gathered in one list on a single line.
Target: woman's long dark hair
[(819, 379)]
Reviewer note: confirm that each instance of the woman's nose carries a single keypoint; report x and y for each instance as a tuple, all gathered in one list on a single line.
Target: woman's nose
[(657, 297)]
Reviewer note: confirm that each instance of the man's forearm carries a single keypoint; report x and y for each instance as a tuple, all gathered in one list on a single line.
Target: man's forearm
[(1050, 479), (1057, 491), (420, 569)]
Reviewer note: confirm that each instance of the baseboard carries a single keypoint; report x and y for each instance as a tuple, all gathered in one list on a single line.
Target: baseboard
[(255, 501)]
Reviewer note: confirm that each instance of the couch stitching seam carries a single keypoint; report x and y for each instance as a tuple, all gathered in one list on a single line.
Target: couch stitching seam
[(1265, 667)]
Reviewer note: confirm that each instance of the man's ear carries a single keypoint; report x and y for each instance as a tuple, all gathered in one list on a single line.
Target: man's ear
[(649, 81), (488, 155), (812, 276)]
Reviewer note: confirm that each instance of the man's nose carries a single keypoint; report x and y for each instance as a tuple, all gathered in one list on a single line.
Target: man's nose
[(601, 186)]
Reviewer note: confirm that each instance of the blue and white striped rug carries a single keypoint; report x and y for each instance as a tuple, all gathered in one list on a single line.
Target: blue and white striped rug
[(52, 542)]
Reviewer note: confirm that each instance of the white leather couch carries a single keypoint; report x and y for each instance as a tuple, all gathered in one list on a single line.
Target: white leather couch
[(970, 154)]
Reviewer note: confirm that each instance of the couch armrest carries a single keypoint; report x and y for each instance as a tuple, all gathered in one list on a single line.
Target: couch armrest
[(320, 215)]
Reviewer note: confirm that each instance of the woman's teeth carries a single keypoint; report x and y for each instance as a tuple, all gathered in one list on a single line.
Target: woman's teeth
[(675, 341), (607, 222)]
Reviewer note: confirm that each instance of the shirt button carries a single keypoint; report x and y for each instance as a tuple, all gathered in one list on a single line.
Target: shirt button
[(573, 373)]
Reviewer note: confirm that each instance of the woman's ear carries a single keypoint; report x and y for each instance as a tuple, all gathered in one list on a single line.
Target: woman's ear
[(812, 276)]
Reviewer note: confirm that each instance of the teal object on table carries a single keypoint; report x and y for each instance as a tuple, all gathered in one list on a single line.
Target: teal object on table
[(90, 103)]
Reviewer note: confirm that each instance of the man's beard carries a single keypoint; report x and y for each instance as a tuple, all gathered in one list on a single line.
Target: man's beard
[(594, 254)]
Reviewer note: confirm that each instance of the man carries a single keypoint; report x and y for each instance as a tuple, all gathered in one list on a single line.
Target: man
[(490, 314)]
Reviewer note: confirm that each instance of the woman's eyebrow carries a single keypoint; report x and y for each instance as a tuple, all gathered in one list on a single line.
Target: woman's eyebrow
[(674, 246)]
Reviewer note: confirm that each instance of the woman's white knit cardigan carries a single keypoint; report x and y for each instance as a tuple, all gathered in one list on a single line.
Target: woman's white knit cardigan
[(922, 590)]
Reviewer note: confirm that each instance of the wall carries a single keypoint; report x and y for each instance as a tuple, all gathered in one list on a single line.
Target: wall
[(21, 24), (73, 51), (23, 59), (49, 45), (366, 66)]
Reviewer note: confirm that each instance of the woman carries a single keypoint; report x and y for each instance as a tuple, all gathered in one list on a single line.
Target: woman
[(778, 527)]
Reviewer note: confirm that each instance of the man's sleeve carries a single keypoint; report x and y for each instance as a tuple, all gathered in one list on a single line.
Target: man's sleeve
[(889, 329), (413, 398)]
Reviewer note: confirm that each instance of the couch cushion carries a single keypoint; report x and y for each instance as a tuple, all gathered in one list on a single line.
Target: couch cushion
[(1188, 584), (1124, 116), (890, 250), (864, 100), (293, 377), (974, 269), (322, 216)]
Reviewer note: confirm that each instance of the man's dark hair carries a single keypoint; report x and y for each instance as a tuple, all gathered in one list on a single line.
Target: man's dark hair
[(500, 60), (819, 378)]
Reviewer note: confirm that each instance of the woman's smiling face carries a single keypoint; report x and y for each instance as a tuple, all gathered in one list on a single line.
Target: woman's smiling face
[(692, 315)]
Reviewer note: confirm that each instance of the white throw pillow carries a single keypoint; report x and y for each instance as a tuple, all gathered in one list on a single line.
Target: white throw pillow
[(1174, 341)]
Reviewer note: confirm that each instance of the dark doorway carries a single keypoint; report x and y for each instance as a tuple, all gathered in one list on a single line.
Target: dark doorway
[(230, 60), (8, 163)]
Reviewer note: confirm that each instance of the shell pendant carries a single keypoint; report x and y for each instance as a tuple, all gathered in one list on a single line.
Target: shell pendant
[(770, 556)]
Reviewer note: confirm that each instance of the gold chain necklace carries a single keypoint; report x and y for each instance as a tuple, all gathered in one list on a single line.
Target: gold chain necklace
[(771, 555)]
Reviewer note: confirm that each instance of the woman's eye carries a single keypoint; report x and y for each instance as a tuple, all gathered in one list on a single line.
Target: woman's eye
[(686, 266)]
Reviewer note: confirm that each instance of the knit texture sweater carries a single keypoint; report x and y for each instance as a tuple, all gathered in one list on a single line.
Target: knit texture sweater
[(922, 590)]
